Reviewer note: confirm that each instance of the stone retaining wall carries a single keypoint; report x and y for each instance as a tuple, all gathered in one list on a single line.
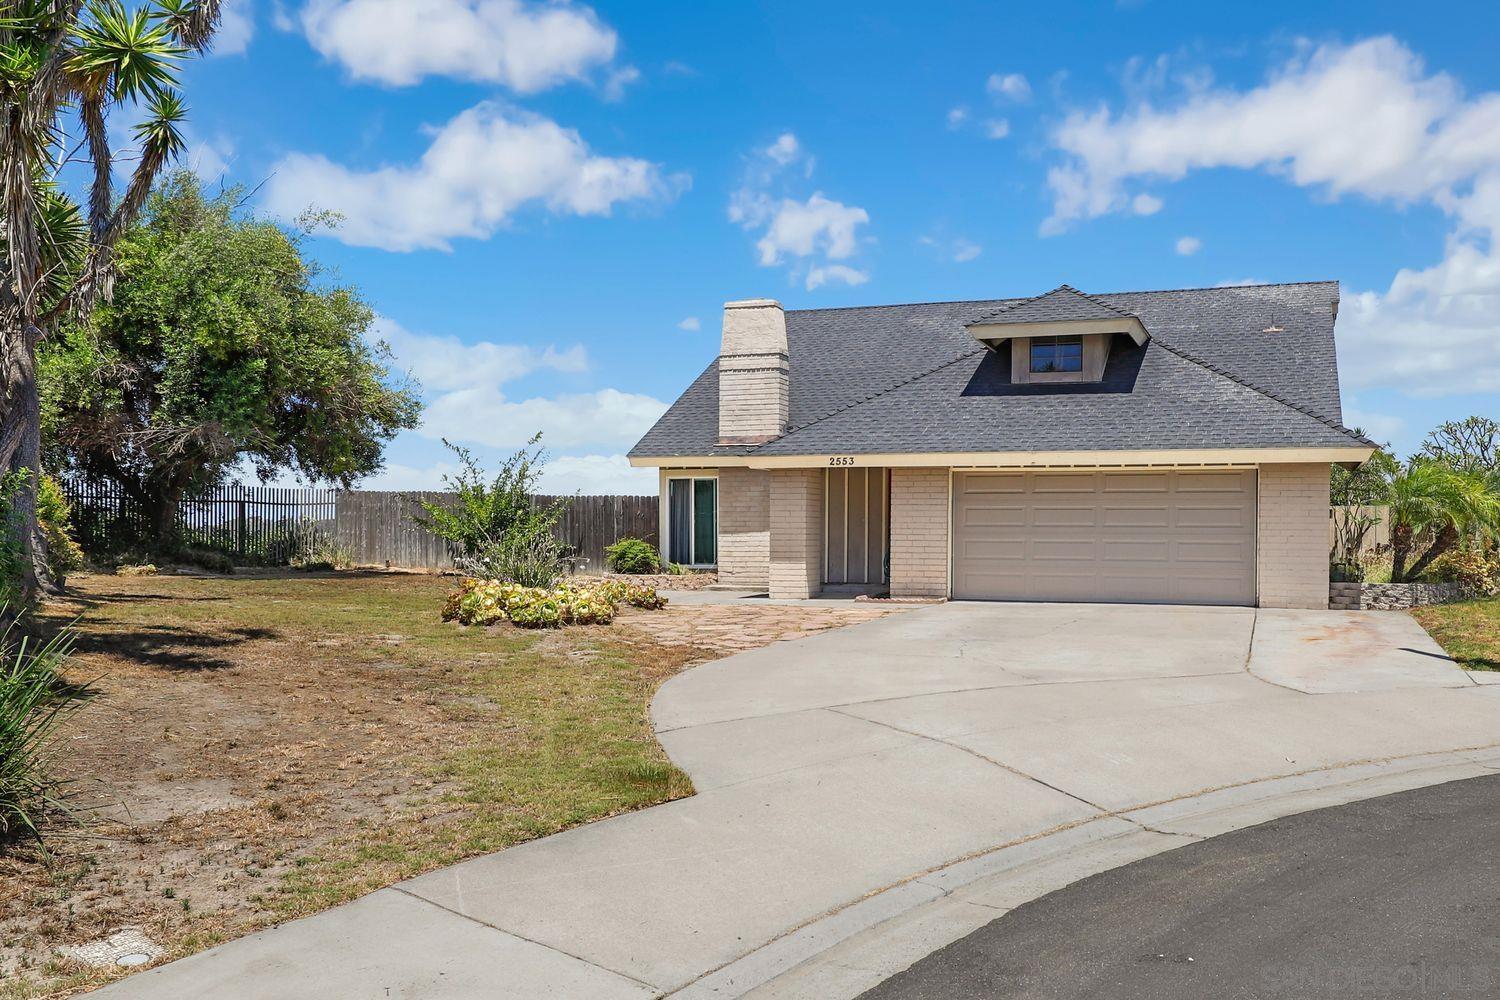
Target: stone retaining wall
[(1391, 596)]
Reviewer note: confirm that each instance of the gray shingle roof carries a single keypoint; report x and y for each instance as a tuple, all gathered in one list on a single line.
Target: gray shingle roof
[(909, 378), (1063, 304)]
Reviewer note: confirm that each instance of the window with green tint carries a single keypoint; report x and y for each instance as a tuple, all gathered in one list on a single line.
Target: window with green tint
[(705, 521), (693, 521)]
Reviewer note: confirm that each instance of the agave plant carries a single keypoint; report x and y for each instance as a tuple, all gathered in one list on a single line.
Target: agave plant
[(35, 700), (65, 65)]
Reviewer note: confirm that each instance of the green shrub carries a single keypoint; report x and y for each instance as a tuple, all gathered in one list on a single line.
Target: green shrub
[(531, 560), (55, 516), (632, 555), (34, 702), (12, 553), (1478, 571), (321, 553), (209, 560), (484, 511)]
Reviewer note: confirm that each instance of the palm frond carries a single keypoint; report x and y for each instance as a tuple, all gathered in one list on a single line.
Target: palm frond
[(191, 22), (127, 53)]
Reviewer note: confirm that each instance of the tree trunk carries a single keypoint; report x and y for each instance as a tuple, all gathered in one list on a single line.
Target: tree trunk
[(1446, 538), (20, 455), (1400, 549), (161, 502)]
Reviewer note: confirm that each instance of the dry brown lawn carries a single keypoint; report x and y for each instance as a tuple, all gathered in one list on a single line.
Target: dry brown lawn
[(263, 747)]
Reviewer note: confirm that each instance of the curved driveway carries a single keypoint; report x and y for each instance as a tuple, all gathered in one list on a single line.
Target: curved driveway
[(880, 779)]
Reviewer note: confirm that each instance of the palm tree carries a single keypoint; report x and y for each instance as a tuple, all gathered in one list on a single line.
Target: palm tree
[(1430, 499), (65, 65)]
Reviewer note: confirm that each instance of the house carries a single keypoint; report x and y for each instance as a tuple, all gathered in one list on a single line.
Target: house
[(1153, 447)]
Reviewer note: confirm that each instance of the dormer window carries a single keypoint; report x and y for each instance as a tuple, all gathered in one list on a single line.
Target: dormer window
[(1051, 355)]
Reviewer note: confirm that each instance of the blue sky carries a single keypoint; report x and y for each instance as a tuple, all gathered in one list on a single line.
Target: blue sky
[(548, 203)]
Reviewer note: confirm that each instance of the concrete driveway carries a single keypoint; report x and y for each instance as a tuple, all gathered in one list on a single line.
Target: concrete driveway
[(868, 794)]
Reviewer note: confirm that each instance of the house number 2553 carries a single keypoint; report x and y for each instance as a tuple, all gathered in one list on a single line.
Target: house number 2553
[(841, 460)]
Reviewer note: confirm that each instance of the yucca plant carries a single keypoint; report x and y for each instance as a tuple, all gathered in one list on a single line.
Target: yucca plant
[(35, 700), (65, 66)]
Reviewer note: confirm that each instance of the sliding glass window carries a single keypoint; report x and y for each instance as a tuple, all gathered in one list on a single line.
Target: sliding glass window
[(693, 521)]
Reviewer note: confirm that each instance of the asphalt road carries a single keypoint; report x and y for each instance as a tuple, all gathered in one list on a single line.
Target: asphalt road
[(1391, 897)]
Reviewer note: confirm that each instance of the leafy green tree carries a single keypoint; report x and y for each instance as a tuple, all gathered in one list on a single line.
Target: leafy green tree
[(65, 66), (1469, 445), (220, 345)]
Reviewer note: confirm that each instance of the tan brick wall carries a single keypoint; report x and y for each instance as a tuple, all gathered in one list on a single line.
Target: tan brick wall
[(744, 527), (919, 532), (1292, 547), (796, 532)]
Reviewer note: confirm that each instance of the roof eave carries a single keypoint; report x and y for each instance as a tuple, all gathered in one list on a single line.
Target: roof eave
[(991, 333)]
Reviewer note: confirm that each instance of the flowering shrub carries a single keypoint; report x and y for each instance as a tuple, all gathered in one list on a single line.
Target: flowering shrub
[(1478, 571), (488, 602)]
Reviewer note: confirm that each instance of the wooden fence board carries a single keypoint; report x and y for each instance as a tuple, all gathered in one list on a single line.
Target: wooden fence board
[(376, 527)]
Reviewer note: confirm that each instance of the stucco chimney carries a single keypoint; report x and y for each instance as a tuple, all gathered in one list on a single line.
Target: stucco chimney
[(754, 371)]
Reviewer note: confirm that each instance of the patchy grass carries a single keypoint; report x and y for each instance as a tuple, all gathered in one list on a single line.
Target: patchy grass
[(1469, 631), (266, 747)]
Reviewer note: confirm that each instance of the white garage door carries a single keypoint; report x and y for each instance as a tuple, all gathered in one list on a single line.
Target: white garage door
[(1149, 537)]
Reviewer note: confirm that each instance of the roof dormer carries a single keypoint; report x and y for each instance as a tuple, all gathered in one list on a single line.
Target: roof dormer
[(1062, 336)]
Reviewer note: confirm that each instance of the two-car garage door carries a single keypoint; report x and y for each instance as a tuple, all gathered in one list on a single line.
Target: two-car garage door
[(1148, 536)]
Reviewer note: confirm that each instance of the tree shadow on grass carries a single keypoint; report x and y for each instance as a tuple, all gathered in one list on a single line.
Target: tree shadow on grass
[(171, 647)]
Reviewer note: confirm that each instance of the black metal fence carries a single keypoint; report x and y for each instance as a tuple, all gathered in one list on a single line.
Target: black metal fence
[(252, 524)]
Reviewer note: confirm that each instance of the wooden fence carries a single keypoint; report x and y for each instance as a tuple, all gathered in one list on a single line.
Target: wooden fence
[(256, 524), (376, 527), (1380, 534), (270, 525)]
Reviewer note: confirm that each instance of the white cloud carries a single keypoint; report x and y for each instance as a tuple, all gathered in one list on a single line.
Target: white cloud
[(617, 81), (1188, 245), (965, 250), (997, 128), (822, 274), (595, 475), (1240, 282), (818, 225), (957, 116), (463, 387), (1010, 86), (445, 363), (1145, 204), (784, 150), (484, 415), (806, 233), (481, 167), (690, 323), (400, 477), (524, 46), (1367, 119), (236, 28)]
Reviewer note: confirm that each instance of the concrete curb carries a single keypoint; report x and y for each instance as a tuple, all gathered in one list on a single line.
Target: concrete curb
[(850, 950)]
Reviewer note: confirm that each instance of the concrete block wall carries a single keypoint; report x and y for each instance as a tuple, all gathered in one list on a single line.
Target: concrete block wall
[(796, 532), (1292, 550), (744, 527), (919, 533)]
